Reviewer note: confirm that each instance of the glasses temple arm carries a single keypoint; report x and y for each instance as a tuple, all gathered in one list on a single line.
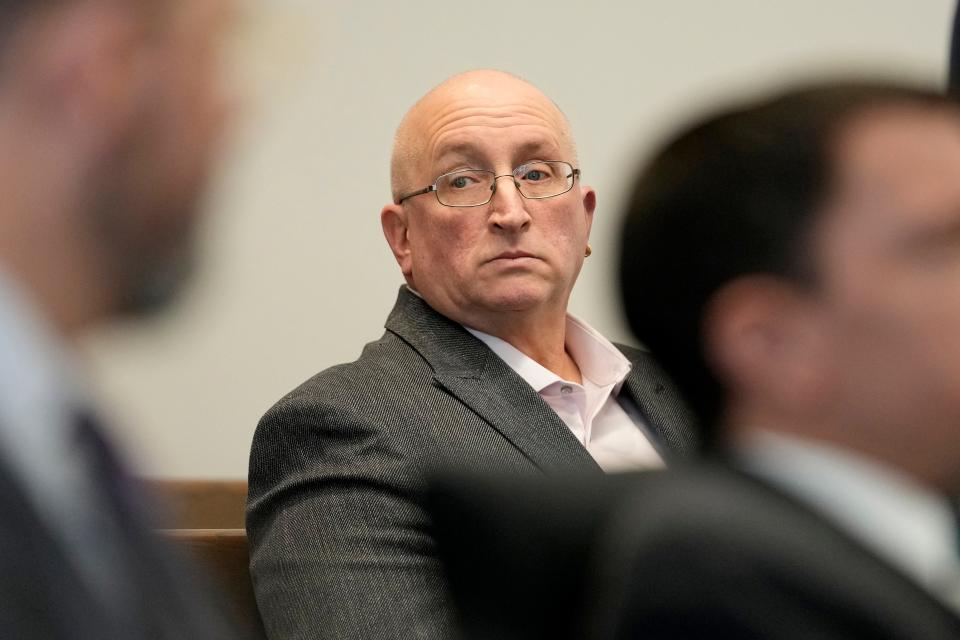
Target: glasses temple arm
[(419, 192)]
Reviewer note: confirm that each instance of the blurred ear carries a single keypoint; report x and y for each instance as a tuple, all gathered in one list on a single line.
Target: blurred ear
[(589, 204), (393, 219), (763, 337), (80, 68)]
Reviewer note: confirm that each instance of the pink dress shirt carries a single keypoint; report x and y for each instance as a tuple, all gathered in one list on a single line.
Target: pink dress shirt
[(590, 410)]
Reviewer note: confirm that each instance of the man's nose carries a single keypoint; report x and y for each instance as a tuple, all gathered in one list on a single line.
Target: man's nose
[(508, 210)]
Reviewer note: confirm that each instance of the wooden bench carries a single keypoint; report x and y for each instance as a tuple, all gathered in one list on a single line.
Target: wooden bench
[(202, 504), (206, 521)]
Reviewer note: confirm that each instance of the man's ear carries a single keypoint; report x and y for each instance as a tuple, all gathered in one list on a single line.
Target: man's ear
[(589, 197), (763, 338), (81, 67), (393, 219)]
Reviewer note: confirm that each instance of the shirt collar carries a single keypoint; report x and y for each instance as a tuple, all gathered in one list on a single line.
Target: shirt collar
[(887, 511), (39, 385), (599, 361)]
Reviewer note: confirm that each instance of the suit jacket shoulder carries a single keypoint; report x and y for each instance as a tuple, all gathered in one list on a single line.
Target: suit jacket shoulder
[(698, 553), (694, 553)]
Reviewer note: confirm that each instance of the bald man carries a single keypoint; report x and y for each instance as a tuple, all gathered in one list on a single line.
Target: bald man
[(481, 367)]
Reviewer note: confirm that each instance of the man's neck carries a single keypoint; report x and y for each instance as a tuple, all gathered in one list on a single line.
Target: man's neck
[(844, 438), (542, 339), (50, 266), (550, 352), (539, 335)]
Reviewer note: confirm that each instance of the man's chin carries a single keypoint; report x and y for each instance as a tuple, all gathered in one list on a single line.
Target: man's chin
[(516, 298)]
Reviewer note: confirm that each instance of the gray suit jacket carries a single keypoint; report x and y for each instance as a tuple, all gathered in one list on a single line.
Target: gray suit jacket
[(341, 546)]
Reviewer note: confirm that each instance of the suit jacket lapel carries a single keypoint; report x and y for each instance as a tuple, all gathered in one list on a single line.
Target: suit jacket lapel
[(169, 602), (467, 368), (39, 576), (513, 408), (672, 423)]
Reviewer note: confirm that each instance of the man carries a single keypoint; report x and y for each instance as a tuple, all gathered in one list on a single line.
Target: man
[(108, 117), (480, 366), (812, 318)]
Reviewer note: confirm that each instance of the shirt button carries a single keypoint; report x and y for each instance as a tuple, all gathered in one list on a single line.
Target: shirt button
[(566, 389)]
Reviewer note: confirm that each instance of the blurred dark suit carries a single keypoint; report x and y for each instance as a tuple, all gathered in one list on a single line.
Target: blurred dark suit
[(714, 553), (44, 595), (340, 543), (691, 553)]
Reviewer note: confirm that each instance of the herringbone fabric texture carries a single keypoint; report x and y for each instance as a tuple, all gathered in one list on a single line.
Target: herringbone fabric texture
[(341, 546)]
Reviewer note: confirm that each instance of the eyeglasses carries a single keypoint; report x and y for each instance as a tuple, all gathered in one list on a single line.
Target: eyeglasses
[(475, 187)]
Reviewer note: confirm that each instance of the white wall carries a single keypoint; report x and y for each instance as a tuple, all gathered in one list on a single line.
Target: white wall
[(297, 276)]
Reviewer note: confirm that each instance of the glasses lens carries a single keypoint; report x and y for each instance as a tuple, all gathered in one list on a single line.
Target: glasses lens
[(544, 179), (465, 188)]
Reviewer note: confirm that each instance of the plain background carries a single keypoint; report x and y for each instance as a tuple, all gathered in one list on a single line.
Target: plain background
[(296, 275)]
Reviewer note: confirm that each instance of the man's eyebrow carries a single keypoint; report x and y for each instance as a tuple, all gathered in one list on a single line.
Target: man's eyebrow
[(467, 152), (537, 150), (456, 153), (465, 149)]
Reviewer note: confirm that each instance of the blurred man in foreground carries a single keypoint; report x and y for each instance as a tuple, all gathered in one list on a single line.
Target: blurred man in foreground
[(813, 318), (108, 117), (480, 367)]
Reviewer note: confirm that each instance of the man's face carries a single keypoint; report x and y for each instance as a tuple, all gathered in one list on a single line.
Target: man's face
[(889, 252), (512, 256), (152, 184)]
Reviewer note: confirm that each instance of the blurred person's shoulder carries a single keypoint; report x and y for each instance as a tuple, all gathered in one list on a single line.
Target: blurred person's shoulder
[(709, 497), (708, 549)]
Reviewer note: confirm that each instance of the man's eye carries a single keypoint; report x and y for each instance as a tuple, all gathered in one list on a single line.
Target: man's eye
[(535, 175), (460, 182)]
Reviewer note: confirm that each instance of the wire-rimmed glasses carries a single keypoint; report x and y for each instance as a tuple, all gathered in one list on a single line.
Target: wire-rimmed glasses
[(475, 187)]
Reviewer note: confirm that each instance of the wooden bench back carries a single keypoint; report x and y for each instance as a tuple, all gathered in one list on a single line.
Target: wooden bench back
[(206, 521), (202, 504)]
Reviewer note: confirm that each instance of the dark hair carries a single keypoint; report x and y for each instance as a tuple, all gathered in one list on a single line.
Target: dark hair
[(734, 194)]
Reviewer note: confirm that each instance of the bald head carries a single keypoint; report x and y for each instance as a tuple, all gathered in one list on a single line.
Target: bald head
[(465, 93)]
